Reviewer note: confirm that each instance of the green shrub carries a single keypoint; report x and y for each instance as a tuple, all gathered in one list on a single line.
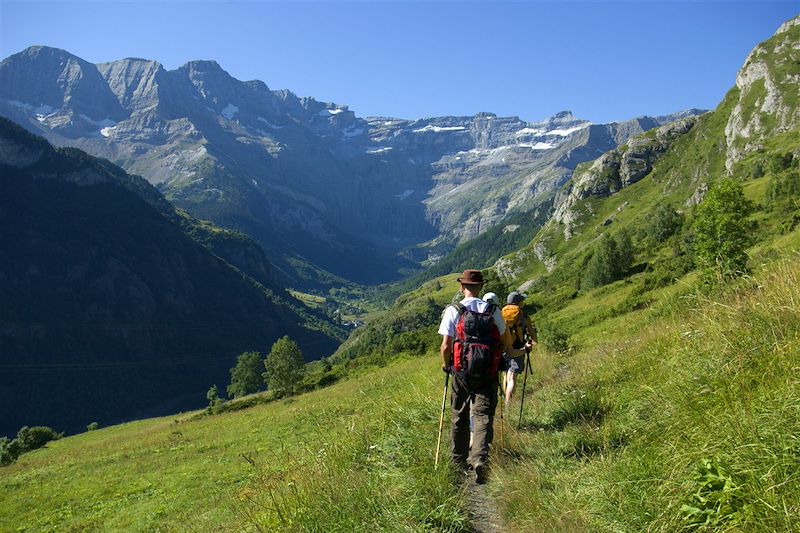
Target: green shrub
[(92, 427), (214, 401), (665, 223), (10, 450), (31, 438), (552, 336), (28, 439), (610, 261), (723, 232)]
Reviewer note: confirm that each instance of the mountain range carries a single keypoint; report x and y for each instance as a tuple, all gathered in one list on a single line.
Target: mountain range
[(310, 181)]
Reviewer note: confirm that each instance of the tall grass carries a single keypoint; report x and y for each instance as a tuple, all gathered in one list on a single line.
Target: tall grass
[(377, 476), (356, 456), (690, 421)]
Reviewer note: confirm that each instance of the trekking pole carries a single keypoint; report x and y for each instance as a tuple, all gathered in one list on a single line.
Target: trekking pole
[(524, 383), (502, 408), (441, 419)]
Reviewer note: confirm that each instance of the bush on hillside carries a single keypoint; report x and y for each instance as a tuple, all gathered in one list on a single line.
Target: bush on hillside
[(214, 401), (723, 231), (285, 366), (31, 438), (27, 439), (10, 450), (246, 376), (665, 223), (610, 261), (552, 336)]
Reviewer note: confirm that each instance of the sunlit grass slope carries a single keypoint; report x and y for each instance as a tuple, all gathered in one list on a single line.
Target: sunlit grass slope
[(356, 456), (684, 416)]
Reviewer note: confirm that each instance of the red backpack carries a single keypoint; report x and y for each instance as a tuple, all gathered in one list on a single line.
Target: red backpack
[(477, 346)]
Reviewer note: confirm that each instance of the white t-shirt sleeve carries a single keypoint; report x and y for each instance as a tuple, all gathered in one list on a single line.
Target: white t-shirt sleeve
[(448, 323)]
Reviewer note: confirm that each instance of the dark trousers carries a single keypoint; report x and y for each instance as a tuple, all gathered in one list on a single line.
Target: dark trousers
[(483, 401)]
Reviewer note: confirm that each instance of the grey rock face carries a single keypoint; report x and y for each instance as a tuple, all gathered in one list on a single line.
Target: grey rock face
[(53, 84), (768, 92), (618, 168)]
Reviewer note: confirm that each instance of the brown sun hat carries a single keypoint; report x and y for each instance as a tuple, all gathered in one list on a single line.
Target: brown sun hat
[(471, 277)]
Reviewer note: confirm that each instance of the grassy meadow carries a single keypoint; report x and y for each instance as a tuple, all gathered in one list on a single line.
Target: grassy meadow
[(356, 456), (681, 417)]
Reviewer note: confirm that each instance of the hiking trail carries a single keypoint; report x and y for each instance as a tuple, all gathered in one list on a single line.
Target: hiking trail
[(482, 511)]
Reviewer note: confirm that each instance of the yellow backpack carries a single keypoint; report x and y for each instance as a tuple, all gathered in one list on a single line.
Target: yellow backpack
[(512, 316)]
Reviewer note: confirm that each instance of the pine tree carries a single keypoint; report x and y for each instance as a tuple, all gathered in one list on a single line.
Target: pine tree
[(285, 366)]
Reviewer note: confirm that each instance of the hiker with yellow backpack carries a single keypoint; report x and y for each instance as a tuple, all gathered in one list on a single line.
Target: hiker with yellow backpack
[(523, 337)]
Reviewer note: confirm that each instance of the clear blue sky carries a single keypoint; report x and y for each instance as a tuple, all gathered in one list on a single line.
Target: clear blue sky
[(603, 60)]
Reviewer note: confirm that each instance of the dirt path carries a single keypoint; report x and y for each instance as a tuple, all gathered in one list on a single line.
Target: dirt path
[(482, 510)]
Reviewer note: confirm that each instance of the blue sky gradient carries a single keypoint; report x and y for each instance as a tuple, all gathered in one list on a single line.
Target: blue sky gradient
[(603, 60)]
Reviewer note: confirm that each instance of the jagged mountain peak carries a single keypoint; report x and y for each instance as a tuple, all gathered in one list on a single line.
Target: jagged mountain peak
[(38, 50), (47, 79), (203, 65), (565, 116)]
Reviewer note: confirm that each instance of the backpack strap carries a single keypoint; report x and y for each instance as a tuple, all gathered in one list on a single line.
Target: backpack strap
[(459, 307)]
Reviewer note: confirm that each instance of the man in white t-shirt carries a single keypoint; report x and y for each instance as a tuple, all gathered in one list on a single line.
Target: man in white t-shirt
[(482, 397)]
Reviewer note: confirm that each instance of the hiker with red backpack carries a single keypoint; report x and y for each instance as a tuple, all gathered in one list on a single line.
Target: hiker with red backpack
[(523, 336), (473, 340)]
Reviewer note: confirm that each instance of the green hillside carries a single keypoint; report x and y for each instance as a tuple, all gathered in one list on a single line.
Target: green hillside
[(115, 306), (360, 463)]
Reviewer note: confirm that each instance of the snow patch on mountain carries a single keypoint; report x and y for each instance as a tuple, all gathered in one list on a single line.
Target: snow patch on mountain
[(270, 124), (405, 194), (229, 111), (537, 146), (329, 112), (529, 131), (41, 111), (380, 150), (567, 131), (439, 129)]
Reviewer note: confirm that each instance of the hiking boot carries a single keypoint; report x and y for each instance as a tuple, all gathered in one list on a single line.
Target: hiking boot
[(480, 474)]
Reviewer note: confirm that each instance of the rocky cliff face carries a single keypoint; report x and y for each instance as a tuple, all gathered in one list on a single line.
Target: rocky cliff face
[(309, 180), (768, 88), (617, 169)]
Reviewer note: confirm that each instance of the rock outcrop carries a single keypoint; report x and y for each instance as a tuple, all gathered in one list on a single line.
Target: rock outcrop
[(617, 169), (768, 88)]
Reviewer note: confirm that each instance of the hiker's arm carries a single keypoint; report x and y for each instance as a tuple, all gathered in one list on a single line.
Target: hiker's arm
[(447, 351), (532, 336)]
